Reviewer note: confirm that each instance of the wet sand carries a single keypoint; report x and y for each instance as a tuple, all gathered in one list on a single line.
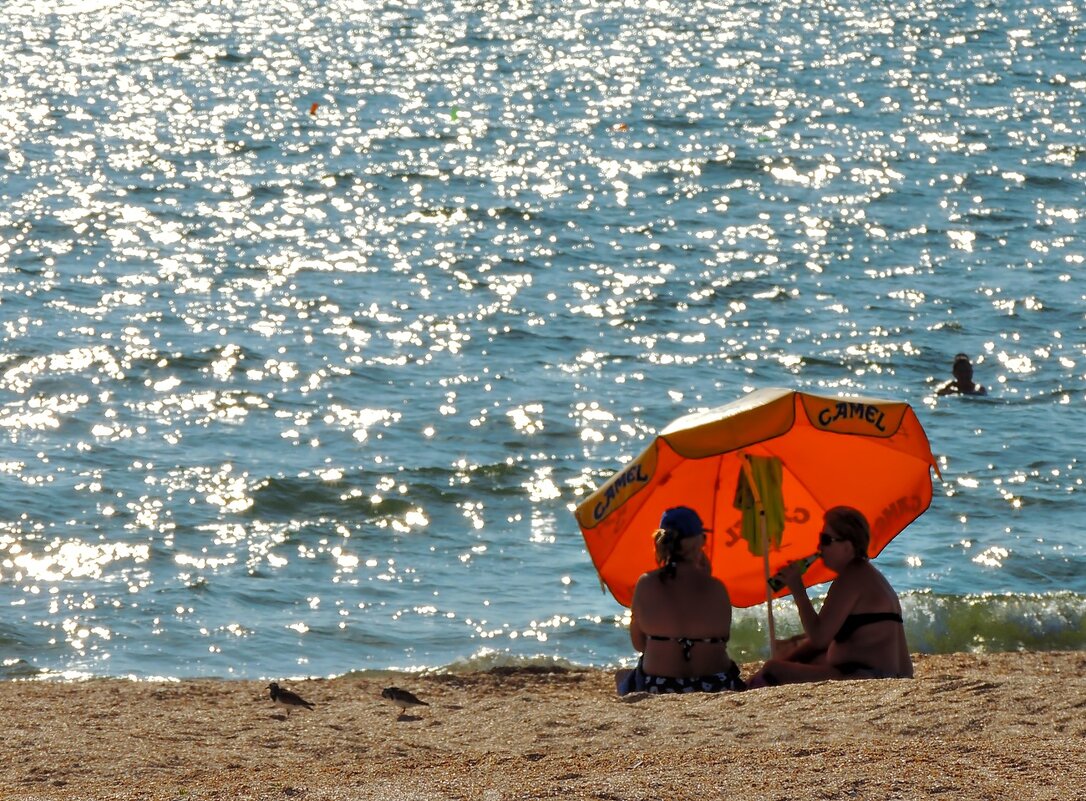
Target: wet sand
[(996, 726)]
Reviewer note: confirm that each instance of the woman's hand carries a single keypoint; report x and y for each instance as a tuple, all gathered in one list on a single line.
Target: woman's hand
[(783, 649), (792, 575)]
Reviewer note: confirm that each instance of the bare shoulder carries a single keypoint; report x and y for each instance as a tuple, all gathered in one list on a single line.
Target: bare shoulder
[(851, 581), (870, 584), (646, 584)]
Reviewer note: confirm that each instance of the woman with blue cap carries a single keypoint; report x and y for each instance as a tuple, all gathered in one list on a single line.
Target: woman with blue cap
[(682, 616)]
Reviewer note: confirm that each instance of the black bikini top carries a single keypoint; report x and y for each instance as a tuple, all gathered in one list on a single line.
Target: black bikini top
[(861, 619), (687, 642)]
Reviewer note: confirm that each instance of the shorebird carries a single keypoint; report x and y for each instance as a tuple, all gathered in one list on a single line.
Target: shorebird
[(401, 698), (287, 698)]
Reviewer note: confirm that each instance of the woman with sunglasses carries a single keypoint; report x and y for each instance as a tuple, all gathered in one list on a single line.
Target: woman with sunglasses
[(858, 633)]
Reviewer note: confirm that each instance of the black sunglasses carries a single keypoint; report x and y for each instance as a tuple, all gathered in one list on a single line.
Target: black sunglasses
[(826, 539)]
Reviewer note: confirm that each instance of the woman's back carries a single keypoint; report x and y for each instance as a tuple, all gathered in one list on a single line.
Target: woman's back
[(686, 619), (869, 636)]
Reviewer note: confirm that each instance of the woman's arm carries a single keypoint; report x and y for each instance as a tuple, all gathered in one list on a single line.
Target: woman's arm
[(808, 617), (727, 609), (820, 627), (637, 634), (804, 652), (807, 614)]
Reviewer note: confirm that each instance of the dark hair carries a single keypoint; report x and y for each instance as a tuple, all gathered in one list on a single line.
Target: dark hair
[(962, 366), (668, 543), (850, 524)]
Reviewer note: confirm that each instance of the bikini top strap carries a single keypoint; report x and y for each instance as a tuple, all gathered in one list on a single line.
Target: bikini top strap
[(687, 643)]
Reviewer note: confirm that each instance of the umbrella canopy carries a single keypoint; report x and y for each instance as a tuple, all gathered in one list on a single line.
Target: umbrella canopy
[(866, 453)]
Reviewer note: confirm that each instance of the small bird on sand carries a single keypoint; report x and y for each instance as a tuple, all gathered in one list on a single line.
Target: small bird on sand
[(401, 698), (287, 698)]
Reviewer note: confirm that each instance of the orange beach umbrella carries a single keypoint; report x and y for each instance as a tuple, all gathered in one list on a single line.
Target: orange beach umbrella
[(866, 453)]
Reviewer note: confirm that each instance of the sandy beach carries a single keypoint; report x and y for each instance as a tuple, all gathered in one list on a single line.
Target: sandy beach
[(967, 727)]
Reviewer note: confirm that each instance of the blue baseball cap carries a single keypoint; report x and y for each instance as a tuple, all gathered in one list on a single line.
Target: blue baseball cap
[(683, 520)]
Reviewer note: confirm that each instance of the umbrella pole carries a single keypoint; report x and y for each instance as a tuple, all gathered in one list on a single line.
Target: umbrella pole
[(768, 589)]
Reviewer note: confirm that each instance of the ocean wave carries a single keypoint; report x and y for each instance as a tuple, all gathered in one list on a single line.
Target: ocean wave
[(486, 661), (945, 624)]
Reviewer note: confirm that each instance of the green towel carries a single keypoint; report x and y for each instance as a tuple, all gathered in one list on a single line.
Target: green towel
[(766, 471)]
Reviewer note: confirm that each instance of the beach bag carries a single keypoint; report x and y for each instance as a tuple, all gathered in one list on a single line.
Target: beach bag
[(631, 681)]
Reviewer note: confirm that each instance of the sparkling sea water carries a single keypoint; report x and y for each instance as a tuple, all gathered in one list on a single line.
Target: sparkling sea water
[(318, 318)]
